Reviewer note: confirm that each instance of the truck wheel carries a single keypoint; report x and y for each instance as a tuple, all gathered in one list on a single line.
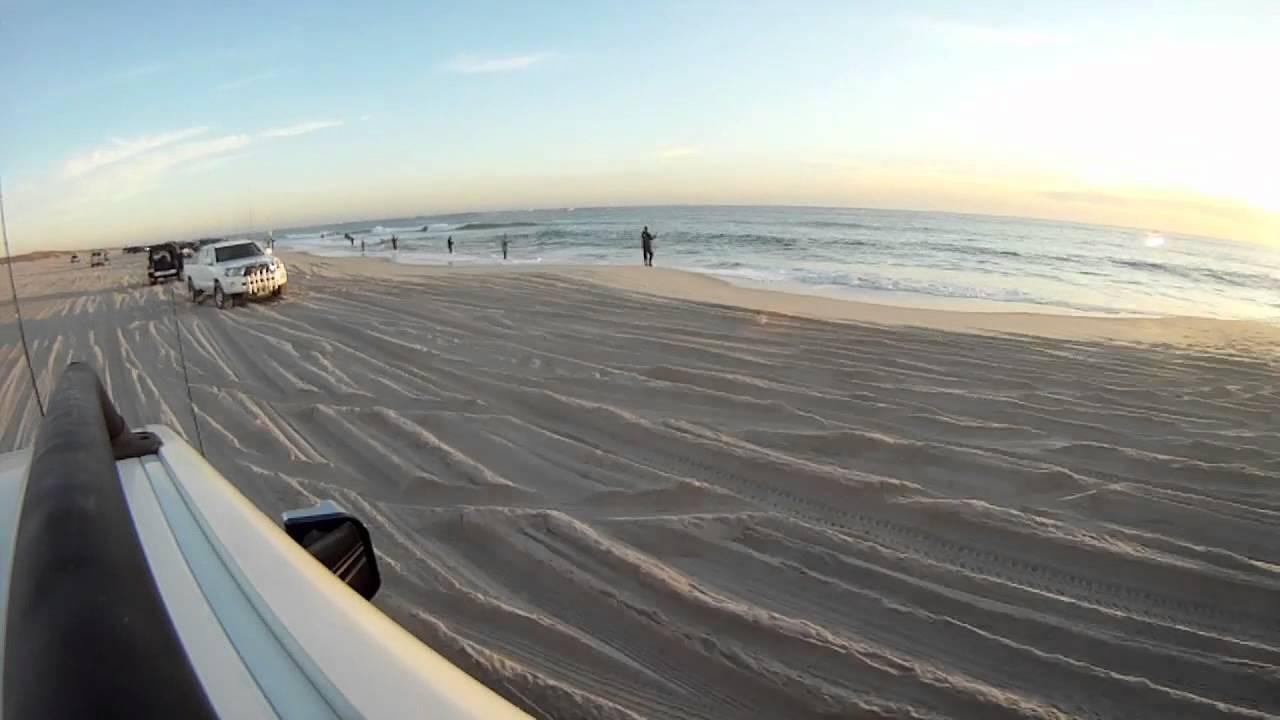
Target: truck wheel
[(220, 298), (278, 292)]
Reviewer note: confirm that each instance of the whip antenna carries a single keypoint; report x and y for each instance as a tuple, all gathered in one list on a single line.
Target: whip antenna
[(182, 359), (17, 311)]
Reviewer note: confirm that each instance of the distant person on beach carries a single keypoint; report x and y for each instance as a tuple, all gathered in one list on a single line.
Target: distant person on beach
[(395, 243), (504, 246), (361, 246), (646, 246), (349, 239), (450, 241)]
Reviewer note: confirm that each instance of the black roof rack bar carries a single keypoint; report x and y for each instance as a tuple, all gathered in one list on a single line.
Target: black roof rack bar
[(86, 632)]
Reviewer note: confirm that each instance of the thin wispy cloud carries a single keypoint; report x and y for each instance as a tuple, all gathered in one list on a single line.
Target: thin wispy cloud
[(238, 83), (117, 150), (123, 168), (300, 128), (366, 117), (960, 32), (213, 162), (128, 178), (474, 64), (157, 163)]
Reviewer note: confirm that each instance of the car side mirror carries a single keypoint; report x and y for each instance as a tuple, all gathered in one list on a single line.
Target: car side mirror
[(339, 541)]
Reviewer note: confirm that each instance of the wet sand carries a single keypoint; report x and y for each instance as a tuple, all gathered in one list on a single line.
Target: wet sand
[(614, 494)]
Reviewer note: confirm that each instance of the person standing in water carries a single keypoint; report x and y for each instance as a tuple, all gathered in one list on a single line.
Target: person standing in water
[(646, 246), (450, 243), (395, 243), (504, 246), (350, 239), (361, 246)]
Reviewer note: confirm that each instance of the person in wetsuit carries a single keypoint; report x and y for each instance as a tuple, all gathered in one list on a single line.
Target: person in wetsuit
[(504, 246), (646, 246), (450, 243)]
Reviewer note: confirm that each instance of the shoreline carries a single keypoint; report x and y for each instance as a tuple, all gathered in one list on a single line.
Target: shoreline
[(870, 296), (1219, 334)]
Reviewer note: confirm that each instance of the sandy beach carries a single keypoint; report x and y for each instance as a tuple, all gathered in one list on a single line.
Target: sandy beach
[(634, 493)]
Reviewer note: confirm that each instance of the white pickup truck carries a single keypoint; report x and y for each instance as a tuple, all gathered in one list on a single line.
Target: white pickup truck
[(235, 269)]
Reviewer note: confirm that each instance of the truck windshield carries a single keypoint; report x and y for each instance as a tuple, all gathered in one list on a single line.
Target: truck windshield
[(237, 252)]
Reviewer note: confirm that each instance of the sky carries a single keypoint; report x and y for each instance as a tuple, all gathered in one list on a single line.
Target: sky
[(135, 121)]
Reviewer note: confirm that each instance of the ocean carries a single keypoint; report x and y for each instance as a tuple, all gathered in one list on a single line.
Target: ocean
[(918, 259)]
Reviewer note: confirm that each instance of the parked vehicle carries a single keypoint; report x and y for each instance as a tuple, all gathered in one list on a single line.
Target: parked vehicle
[(232, 270), (164, 263), (98, 257), (75, 258)]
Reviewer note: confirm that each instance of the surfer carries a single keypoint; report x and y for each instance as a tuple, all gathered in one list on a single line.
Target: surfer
[(395, 243), (450, 242), (349, 239), (504, 246), (646, 246), (361, 246)]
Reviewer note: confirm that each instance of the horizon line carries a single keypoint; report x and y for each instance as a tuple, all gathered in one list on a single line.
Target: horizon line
[(796, 206)]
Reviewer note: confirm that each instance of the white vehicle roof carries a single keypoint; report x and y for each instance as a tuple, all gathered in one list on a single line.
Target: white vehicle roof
[(229, 243), (256, 627)]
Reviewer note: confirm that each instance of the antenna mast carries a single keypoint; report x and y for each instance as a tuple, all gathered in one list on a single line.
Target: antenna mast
[(17, 311)]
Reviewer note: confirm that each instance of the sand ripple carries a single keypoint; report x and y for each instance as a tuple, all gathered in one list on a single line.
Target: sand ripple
[(608, 505)]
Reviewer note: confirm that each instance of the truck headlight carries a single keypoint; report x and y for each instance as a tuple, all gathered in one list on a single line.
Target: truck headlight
[(232, 272)]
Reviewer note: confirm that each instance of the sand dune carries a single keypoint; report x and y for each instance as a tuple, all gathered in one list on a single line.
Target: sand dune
[(607, 503)]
